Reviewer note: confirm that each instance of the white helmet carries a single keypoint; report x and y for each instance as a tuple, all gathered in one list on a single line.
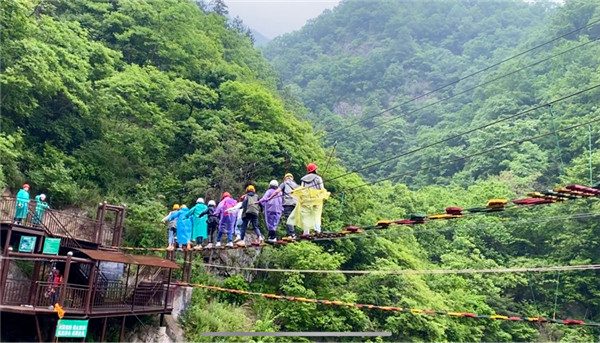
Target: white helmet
[(212, 203), (273, 183), (42, 196), (200, 201)]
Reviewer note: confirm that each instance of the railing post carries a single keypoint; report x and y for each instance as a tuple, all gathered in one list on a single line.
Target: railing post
[(61, 299), (103, 335), (5, 266), (168, 289), (7, 243), (189, 276), (90, 288), (137, 272), (33, 286), (184, 267), (100, 221)]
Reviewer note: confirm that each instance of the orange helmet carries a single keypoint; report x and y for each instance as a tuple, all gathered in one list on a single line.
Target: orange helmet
[(225, 195), (311, 167)]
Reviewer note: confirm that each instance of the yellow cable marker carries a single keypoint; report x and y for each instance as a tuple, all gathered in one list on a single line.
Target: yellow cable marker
[(497, 316)]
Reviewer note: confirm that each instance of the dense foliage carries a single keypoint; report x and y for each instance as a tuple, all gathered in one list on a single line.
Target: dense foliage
[(351, 65), (154, 102)]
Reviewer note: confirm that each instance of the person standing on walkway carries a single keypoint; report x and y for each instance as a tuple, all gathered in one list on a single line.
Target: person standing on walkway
[(21, 207), (40, 208)]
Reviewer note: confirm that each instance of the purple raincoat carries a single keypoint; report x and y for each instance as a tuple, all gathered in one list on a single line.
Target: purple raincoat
[(273, 209), (227, 222)]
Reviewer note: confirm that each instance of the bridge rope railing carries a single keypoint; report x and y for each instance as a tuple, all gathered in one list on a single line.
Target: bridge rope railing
[(415, 311)]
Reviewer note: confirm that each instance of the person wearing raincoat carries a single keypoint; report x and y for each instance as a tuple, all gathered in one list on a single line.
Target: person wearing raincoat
[(212, 221), (273, 209), (40, 208), (227, 222), (198, 224), (184, 226), (309, 208), (22, 203), (238, 222), (172, 227)]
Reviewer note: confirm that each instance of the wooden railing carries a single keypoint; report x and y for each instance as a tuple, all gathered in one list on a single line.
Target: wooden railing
[(58, 223), (16, 292), (109, 298), (74, 296)]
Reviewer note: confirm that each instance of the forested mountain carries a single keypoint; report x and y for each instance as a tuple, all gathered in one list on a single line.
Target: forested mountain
[(149, 103), (371, 72)]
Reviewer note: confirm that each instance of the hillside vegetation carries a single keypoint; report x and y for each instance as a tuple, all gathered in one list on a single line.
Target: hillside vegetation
[(351, 65)]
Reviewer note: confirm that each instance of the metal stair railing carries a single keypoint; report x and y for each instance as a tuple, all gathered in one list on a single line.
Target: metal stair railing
[(64, 233)]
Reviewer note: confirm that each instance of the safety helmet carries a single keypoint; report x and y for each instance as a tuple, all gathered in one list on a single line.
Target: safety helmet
[(183, 206), (42, 196), (288, 175), (273, 183), (200, 201), (212, 203), (26, 185), (226, 195), (176, 206), (250, 188), (311, 167)]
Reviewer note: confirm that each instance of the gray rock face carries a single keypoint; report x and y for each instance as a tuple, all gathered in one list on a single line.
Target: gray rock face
[(235, 258), (156, 334), (181, 301)]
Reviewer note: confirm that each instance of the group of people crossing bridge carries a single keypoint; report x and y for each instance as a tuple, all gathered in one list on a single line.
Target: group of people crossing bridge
[(299, 206)]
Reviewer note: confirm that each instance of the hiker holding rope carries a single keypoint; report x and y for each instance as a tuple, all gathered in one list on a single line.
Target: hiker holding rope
[(250, 210), (273, 209), (172, 227), (227, 222), (212, 221), (309, 208), (199, 226), (184, 227), (289, 201)]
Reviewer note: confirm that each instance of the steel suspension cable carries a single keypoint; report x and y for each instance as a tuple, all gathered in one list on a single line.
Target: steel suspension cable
[(410, 152), (395, 176)]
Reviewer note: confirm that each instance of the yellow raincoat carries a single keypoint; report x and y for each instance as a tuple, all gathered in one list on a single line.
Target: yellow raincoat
[(307, 214)]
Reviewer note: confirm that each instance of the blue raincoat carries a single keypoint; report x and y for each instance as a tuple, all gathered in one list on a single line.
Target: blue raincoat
[(22, 202), (184, 226), (40, 208), (198, 224)]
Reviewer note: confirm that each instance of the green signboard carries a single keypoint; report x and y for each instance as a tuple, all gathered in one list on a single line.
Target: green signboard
[(51, 246), (71, 328), (27, 243)]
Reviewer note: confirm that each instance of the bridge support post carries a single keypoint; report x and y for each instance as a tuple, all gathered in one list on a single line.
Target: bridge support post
[(63, 287), (122, 333), (103, 335)]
